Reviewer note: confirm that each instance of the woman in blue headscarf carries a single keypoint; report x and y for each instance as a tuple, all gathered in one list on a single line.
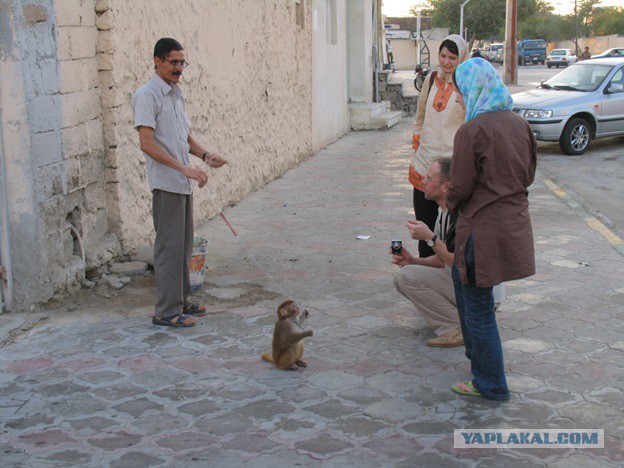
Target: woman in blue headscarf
[(493, 164)]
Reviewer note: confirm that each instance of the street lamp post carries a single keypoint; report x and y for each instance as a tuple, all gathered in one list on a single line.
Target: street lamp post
[(461, 18)]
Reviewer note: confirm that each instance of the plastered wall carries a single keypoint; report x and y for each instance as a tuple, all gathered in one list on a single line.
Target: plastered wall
[(52, 149), (68, 69), (248, 92)]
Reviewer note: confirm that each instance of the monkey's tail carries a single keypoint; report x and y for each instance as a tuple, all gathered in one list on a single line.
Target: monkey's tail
[(267, 357)]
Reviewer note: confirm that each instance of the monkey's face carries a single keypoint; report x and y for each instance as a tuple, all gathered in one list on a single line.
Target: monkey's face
[(291, 311)]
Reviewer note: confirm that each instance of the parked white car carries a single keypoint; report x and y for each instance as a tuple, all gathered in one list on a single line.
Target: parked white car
[(577, 105), (560, 58), (497, 51)]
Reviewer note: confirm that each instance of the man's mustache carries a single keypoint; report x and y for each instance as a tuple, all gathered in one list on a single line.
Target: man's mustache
[(177, 73)]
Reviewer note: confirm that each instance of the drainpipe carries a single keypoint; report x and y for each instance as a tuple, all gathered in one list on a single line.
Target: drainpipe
[(6, 270)]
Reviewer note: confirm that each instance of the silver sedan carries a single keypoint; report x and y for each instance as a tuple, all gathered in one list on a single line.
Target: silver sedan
[(581, 103)]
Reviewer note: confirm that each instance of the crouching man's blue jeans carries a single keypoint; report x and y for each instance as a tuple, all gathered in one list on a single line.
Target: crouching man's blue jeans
[(478, 322)]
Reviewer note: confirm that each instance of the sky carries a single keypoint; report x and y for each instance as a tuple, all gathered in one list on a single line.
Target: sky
[(562, 7)]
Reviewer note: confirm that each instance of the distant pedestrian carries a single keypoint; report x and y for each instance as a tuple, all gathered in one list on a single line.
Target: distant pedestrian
[(493, 164), (437, 119), (389, 51), (585, 55), (163, 126)]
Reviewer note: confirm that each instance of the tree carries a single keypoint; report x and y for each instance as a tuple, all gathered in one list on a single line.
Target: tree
[(548, 26), (608, 20), (485, 19)]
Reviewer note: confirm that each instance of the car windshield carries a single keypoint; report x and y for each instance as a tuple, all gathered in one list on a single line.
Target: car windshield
[(582, 76), (558, 52), (496, 47), (534, 45)]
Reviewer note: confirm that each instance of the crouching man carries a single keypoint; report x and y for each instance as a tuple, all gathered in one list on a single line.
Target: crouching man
[(427, 282)]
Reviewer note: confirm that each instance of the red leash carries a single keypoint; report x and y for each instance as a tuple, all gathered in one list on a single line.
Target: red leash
[(229, 225)]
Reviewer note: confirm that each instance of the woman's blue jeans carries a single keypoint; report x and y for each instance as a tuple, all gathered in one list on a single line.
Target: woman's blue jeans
[(478, 323)]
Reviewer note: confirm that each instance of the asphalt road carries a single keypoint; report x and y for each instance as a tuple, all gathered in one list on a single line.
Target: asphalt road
[(595, 179)]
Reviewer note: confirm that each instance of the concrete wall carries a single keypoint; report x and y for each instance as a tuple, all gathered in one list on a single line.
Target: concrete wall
[(330, 113), (597, 45), (248, 90), (267, 86), (360, 34), (405, 53), (52, 144)]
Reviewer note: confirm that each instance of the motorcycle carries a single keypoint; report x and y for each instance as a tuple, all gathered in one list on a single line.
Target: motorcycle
[(421, 74)]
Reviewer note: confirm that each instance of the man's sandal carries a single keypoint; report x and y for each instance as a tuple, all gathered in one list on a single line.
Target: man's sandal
[(466, 388), (178, 320), (190, 308)]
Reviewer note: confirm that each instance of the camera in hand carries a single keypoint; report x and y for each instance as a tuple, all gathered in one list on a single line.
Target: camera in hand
[(396, 247)]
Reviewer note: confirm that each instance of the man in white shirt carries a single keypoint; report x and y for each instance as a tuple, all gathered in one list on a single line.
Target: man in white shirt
[(163, 126), (427, 282)]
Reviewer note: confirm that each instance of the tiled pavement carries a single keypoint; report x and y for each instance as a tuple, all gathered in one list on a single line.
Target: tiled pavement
[(102, 388)]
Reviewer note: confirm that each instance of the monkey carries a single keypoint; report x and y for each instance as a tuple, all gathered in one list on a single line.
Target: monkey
[(288, 337)]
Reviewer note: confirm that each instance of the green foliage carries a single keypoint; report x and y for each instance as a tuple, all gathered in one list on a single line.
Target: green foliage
[(607, 21), (485, 19)]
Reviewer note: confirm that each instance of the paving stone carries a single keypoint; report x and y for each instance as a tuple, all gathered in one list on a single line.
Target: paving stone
[(334, 380), (360, 426), (136, 408), (264, 409), (186, 441), (30, 422), (92, 424), (12, 456), (391, 410), (229, 423), (120, 390), (282, 458), (323, 445), (161, 422), (580, 460), (302, 394), (101, 376), (114, 440), (527, 345), (208, 457), (252, 443), (163, 377), (394, 446), (78, 405), (200, 408), (331, 409), (139, 459), (69, 457)]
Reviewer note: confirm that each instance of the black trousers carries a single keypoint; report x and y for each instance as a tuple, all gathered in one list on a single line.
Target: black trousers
[(427, 212)]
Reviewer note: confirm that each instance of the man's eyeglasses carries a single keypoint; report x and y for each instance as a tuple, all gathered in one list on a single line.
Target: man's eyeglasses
[(180, 64)]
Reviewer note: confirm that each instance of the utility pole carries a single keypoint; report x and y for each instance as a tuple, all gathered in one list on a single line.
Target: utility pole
[(461, 18), (510, 75), (576, 29)]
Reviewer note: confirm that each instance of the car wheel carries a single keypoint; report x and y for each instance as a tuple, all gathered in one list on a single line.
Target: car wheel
[(575, 137), (548, 65)]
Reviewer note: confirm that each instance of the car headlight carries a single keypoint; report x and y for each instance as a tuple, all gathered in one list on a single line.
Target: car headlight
[(538, 114)]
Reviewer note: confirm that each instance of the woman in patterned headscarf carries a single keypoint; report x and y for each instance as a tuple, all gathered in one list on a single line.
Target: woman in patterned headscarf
[(437, 119), (493, 164)]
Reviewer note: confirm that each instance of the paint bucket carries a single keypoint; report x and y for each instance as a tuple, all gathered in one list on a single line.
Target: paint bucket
[(197, 265)]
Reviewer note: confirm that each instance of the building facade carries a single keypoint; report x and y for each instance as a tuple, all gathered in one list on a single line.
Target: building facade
[(268, 85)]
